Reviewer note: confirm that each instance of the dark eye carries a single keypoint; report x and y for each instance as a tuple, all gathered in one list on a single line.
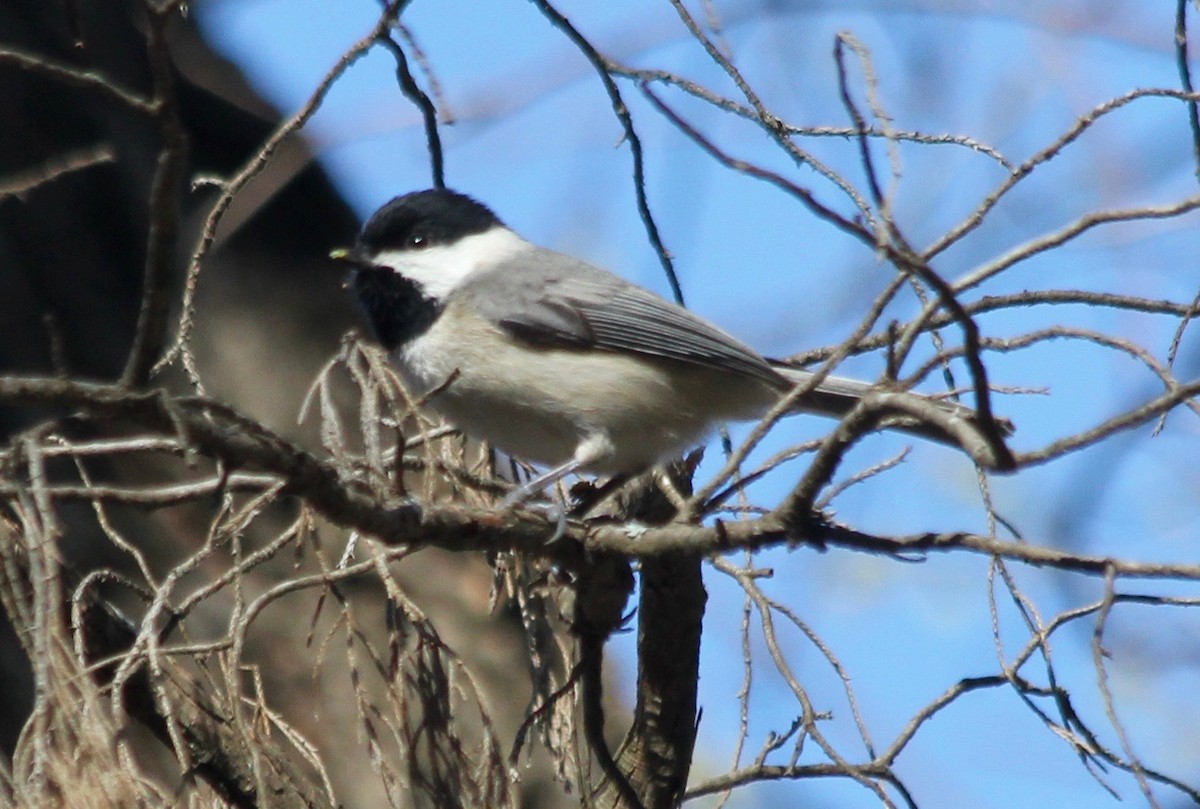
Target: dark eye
[(416, 241)]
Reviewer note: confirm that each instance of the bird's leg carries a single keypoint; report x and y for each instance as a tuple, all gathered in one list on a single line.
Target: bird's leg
[(593, 448), (531, 487), (556, 511)]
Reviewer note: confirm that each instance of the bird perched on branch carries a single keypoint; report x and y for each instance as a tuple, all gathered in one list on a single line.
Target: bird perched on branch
[(559, 362)]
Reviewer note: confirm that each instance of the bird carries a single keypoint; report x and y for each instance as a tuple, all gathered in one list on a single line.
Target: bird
[(561, 363)]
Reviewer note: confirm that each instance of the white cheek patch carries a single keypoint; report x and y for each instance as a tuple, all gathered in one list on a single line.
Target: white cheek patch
[(441, 268)]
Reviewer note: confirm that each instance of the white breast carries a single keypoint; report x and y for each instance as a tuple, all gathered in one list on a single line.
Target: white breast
[(541, 404)]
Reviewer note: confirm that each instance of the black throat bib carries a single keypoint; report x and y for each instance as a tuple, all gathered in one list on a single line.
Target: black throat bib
[(397, 309)]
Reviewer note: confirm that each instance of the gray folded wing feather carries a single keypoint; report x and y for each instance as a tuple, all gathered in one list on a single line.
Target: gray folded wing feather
[(554, 300)]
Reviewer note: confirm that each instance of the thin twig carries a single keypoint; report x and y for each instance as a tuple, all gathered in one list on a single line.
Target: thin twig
[(22, 182), (601, 65), (1185, 77), (429, 114), (165, 200), (233, 186), (89, 80)]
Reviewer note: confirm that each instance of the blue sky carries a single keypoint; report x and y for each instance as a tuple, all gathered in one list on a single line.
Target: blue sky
[(534, 138)]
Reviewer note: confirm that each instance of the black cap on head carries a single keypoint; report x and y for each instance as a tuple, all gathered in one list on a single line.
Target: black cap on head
[(424, 219)]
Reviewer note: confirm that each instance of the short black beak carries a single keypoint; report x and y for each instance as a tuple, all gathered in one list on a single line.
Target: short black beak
[(351, 256)]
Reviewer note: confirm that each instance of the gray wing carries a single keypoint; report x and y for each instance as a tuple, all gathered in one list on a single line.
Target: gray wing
[(554, 300)]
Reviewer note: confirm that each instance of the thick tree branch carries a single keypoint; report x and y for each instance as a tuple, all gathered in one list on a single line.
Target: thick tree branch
[(658, 748), (217, 432)]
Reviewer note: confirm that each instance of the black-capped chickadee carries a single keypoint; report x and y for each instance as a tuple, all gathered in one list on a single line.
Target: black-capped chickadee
[(561, 363)]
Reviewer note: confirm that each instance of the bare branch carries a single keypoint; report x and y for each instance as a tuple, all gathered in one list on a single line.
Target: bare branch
[(233, 186), (87, 79), (165, 198), (1185, 77), (635, 143), (18, 183)]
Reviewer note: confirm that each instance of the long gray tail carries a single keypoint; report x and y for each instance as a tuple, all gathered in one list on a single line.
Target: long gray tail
[(940, 420)]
